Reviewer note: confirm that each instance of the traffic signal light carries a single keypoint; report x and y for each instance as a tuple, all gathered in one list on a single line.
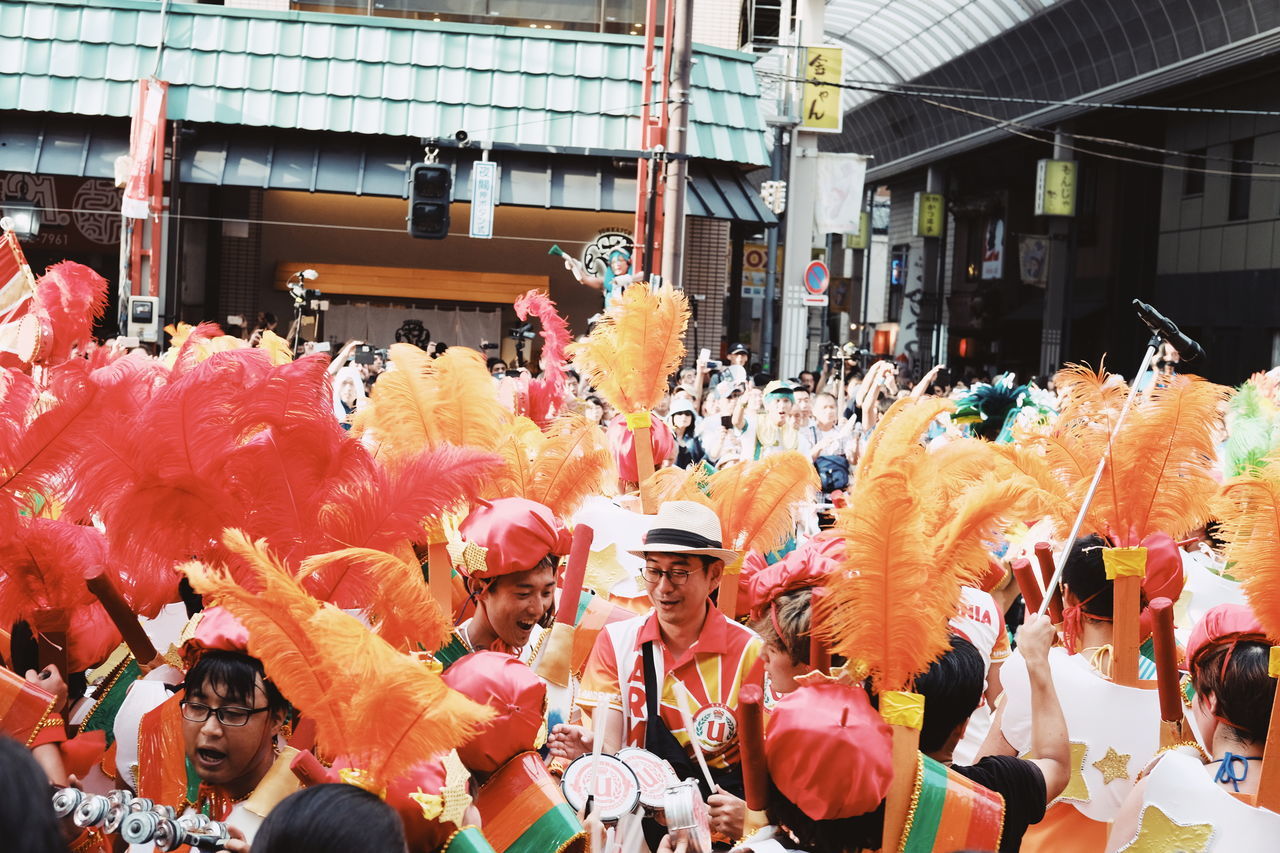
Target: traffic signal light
[(430, 194)]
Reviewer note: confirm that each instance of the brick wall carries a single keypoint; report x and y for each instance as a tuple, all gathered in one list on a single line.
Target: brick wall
[(239, 255), (706, 274)]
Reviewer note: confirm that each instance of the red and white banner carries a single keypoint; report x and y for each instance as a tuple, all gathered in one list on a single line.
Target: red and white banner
[(16, 284), (142, 148), (17, 292)]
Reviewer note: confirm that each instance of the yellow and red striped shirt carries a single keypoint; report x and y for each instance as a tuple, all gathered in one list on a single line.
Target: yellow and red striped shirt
[(725, 656)]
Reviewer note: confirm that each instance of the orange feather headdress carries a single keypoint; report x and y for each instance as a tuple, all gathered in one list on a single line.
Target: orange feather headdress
[(559, 468), (915, 531), (631, 352), (754, 500), (1159, 477), (425, 402), (375, 708), (1249, 509)]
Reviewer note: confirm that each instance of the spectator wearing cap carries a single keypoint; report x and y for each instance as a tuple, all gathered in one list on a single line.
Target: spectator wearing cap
[(688, 447), (683, 658), (509, 555), (736, 367), (773, 430)]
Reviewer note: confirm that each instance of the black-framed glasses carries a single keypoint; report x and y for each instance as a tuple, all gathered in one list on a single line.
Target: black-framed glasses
[(678, 577), (196, 712)]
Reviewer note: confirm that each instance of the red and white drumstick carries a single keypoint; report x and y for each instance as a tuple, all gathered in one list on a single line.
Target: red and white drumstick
[(683, 696)]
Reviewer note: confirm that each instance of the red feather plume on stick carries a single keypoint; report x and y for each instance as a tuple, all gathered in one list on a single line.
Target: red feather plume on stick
[(158, 480), (52, 431), (43, 567), (69, 297), (378, 507), (546, 395), (136, 373)]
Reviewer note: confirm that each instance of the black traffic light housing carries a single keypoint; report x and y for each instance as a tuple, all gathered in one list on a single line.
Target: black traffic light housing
[(430, 194)]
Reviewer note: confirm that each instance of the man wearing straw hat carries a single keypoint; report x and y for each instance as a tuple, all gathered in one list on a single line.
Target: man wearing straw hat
[(669, 680)]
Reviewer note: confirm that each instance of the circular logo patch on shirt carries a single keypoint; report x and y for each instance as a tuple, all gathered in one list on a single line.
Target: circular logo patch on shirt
[(714, 726)]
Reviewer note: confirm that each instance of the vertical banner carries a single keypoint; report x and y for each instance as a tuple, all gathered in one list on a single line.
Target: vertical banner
[(142, 148), (1055, 188), (19, 329), (484, 190), (1033, 259), (16, 282), (861, 239), (993, 249), (840, 180), (820, 109), (927, 214)]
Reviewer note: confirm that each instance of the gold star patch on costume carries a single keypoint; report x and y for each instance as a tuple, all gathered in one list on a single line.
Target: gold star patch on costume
[(451, 804), (1159, 833), (604, 571), (1114, 765), (1077, 789)]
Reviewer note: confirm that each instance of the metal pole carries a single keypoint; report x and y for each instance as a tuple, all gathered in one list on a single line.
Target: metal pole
[(650, 208), (1061, 562), (771, 259), (681, 45), (864, 333)]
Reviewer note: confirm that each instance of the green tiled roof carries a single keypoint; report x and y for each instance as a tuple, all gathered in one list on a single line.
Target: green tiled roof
[(364, 75)]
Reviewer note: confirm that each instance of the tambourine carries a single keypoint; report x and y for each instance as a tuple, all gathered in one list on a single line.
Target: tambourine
[(617, 792), (654, 774), (687, 817)]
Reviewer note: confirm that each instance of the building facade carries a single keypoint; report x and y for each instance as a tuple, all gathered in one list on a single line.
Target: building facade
[(291, 133)]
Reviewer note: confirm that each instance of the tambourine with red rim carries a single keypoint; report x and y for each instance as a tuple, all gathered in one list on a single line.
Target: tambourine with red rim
[(687, 817), (654, 774), (616, 792)]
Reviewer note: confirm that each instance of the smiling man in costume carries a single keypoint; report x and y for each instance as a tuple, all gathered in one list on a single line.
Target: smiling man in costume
[(684, 653)]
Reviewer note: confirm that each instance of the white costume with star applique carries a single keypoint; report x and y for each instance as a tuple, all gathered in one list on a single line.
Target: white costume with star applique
[(1184, 809), (1110, 721)]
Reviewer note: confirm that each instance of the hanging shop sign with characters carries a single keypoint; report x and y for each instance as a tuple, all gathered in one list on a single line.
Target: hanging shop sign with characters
[(820, 99)]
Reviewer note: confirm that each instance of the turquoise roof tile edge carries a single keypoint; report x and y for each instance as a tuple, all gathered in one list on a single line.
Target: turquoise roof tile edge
[(356, 74)]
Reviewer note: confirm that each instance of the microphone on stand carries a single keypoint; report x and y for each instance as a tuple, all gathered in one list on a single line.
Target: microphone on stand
[(1161, 325)]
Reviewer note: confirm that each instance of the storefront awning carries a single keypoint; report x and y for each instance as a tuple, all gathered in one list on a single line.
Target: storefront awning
[(362, 165)]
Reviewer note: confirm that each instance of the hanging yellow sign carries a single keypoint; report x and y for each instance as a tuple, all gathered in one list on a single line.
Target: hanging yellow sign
[(1055, 188), (928, 212), (820, 101)]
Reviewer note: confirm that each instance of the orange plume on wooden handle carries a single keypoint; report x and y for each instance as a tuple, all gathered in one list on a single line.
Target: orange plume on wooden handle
[(638, 344)]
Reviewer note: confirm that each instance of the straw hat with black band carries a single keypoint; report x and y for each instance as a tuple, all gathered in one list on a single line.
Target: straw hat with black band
[(685, 527)]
